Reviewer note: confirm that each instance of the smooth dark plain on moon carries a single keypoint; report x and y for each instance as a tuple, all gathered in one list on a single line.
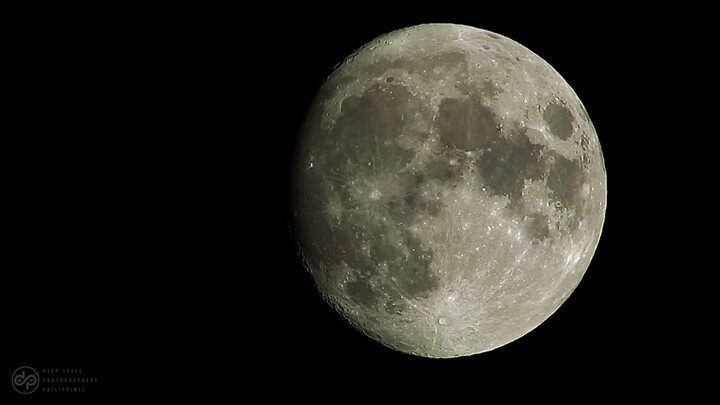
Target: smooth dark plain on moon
[(449, 190)]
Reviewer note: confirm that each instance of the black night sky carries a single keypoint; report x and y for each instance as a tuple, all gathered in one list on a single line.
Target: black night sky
[(146, 240)]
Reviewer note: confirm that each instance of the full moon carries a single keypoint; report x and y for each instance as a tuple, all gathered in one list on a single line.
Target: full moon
[(448, 190)]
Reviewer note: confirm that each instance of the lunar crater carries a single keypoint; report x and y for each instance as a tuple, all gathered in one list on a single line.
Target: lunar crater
[(559, 120)]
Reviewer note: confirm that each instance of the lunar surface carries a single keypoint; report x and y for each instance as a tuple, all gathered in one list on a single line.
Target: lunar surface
[(449, 190)]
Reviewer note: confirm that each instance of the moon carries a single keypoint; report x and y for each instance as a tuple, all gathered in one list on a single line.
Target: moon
[(448, 190)]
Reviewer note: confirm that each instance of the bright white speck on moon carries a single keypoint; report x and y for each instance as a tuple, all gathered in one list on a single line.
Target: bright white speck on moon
[(450, 190)]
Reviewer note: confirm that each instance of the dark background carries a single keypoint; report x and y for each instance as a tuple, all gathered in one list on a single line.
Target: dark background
[(145, 158)]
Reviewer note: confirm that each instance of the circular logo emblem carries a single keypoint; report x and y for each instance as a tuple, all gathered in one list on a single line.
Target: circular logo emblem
[(25, 380)]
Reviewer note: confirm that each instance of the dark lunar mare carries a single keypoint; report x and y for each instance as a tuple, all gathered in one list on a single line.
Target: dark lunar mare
[(361, 145)]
